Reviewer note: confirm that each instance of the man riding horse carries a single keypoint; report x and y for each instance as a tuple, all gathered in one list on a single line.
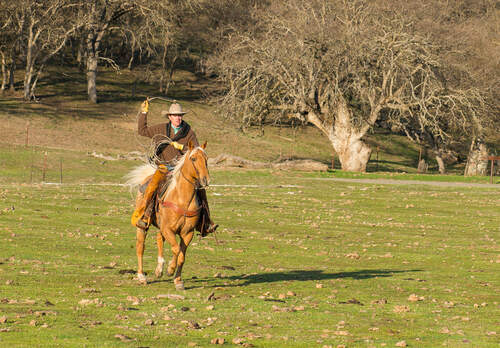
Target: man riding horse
[(180, 133)]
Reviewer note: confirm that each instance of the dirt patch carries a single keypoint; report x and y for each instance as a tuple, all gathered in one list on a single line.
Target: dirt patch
[(73, 134)]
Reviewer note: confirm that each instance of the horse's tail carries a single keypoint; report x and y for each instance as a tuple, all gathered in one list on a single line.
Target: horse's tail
[(137, 175)]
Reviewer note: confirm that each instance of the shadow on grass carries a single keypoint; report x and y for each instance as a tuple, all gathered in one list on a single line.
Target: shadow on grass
[(301, 275), (388, 166)]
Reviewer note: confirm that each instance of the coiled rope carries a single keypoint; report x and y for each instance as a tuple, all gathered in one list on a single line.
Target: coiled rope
[(158, 140)]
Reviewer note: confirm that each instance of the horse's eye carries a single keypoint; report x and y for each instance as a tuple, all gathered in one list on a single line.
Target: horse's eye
[(193, 159)]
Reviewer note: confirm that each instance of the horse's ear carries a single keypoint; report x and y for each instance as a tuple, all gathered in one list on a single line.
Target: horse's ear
[(204, 146), (190, 145)]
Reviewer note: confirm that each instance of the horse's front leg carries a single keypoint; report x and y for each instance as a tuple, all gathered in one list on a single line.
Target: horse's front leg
[(161, 261), (185, 240), (139, 249), (169, 235)]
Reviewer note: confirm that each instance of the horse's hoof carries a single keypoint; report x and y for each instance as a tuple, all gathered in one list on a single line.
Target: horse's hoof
[(141, 278), (170, 269), (159, 273), (159, 268), (179, 286)]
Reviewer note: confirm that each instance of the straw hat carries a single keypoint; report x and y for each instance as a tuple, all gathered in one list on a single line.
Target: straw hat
[(175, 109)]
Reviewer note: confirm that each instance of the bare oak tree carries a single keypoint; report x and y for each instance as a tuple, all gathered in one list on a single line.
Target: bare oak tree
[(43, 28), (149, 25), (100, 17), (338, 65), (164, 36), (8, 43), (157, 38)]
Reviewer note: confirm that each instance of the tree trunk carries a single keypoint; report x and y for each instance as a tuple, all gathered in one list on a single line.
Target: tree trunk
[(477, 161), (162, 78), (163, 75), (28, 73), (4, 73), (80, 56), (441, 165), (130, 61), (169, 80), (28, 78), (352, 152), (12, 69), (91, 78), (92, 55), (422, 166), (35, 80)]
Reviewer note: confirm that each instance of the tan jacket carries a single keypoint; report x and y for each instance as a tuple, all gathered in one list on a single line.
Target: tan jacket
[(159, 131)]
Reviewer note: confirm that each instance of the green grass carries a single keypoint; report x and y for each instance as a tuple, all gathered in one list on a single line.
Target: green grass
[(34, 164), (30, 165), (299, 263)]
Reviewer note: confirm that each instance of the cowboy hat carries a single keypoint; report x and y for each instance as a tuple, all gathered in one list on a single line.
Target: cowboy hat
[(175, 109)]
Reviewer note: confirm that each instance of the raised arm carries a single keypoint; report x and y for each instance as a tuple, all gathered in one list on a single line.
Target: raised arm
[(142, 123)]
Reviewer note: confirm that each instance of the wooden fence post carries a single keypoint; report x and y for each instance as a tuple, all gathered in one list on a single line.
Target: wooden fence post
[(60, 171), (492, 159), (26, 142), (44, 166)]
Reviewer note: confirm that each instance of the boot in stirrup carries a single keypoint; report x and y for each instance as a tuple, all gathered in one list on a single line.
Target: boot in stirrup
[(142, 215)]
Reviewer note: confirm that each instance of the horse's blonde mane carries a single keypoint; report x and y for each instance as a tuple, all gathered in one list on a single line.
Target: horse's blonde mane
[(175, 173), (137, 175)]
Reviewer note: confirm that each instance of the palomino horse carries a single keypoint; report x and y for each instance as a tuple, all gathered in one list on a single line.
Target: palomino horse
[(178, 213)]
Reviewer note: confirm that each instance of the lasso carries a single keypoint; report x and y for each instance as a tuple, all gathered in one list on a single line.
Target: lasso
[(158, 140)]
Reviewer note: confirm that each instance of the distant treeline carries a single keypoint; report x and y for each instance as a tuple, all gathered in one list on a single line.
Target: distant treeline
[(425, 68)]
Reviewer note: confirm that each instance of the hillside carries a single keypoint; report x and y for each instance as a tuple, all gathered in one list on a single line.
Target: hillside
[(63, 119)]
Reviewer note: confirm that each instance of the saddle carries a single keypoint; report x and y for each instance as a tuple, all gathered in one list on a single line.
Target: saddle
[(204, 223), (154, 205)]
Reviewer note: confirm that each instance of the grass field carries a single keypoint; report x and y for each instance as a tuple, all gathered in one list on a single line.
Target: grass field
[(300, 262)]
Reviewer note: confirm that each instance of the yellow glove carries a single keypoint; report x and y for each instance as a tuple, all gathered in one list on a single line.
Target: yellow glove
[(145, 106), (177, 145)]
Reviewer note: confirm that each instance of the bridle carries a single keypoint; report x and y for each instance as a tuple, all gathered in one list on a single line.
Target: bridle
[(196, 183)]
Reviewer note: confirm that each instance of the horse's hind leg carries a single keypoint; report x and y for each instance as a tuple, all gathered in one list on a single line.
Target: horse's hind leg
[(139, 248), (185, 240), (161, 260)]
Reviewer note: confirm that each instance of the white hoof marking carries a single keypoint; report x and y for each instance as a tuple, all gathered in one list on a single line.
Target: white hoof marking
[(141, 278), (179, 286), (159, 267)]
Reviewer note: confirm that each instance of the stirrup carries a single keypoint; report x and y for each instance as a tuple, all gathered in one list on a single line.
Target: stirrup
[(142, 224)]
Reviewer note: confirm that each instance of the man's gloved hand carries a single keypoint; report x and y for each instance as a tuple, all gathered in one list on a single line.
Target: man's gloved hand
[(177, 145), (145, 106)]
